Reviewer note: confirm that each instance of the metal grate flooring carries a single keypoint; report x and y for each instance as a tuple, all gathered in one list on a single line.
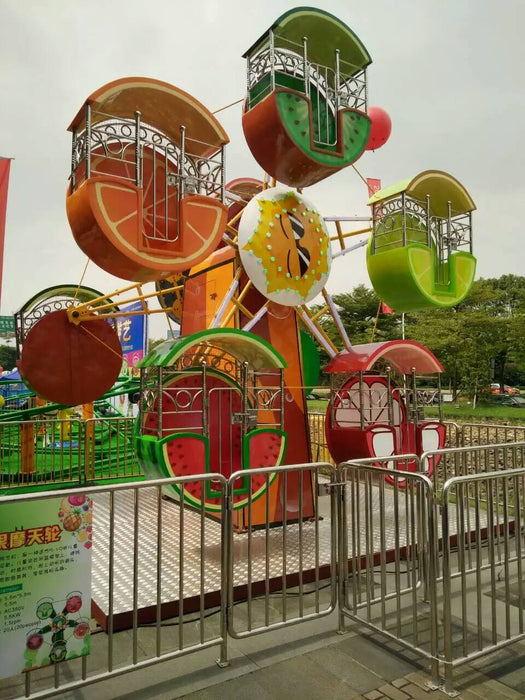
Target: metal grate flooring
[(191, 563)]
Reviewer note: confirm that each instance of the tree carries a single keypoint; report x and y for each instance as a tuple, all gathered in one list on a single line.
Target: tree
[(7, 357), (503, 300), (361, 317), (477, 340)]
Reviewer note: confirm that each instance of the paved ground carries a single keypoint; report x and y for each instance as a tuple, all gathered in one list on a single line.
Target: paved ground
[(312, 662), (353, 667), (305, 662)]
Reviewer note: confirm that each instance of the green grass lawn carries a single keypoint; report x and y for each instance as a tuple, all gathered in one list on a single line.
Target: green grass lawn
[(317, 405), (483, 413)]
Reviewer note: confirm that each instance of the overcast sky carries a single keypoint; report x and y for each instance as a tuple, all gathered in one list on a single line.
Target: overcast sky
[(449, 73)]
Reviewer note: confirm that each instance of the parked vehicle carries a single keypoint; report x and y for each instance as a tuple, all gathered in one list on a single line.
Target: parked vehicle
[(515, 401), (495, 389)]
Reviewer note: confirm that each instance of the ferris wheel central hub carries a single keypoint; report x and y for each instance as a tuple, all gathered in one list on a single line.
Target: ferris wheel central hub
[(74, 316)]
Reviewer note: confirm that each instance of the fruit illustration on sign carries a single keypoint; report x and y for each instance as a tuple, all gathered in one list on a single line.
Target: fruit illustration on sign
[(63, 623)]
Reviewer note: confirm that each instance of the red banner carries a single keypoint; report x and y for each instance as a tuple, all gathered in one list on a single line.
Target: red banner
[(5, 165), (385, 309)]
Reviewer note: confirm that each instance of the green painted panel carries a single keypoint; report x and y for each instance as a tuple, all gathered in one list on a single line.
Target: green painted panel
[(310, 360), (405, 277), (325, 34), (295, 114), (245, 347)]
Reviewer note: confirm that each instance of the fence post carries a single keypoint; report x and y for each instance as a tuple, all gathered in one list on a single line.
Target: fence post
[(342, 558), (27, 447), (431, 583), (226, 570), (447, 621), (89, 451)]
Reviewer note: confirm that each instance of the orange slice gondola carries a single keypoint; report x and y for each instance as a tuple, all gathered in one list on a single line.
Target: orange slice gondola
[(145, 198)]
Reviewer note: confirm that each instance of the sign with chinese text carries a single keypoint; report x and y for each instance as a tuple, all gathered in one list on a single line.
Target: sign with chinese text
[(133, 335), (7, 324), (45, 582)]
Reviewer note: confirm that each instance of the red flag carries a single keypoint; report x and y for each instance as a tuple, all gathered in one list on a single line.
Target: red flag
[(5, 165), (374, 185), (385, 309)]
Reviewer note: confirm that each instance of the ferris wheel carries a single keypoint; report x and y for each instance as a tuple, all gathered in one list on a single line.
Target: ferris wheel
[(237, 264)]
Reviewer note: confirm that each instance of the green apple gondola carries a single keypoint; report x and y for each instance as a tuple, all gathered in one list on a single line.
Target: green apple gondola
[(420, 251)]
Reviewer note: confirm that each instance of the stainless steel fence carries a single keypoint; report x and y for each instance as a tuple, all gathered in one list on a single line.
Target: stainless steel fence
[(140, 569), (490, 433), (284, 565), (483, 548), (435, 557), (174, 576), (453, 437), (462, 461), (479, 555), (387, 536), (432, 561)]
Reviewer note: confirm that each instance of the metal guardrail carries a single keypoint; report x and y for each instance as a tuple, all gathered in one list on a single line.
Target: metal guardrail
[(162, 560), (490, 433), (320, 452), (291, 560), (123, 505), (109, 449), (407, 549), (87, 458), (488, 549), (40, 451), (453, 436), (464, 461), (436, 561), (50, 451), (387, 535)]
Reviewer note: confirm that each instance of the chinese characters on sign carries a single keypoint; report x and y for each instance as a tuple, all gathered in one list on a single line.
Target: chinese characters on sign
[(133, 335), (45, 581), (7, 324)]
